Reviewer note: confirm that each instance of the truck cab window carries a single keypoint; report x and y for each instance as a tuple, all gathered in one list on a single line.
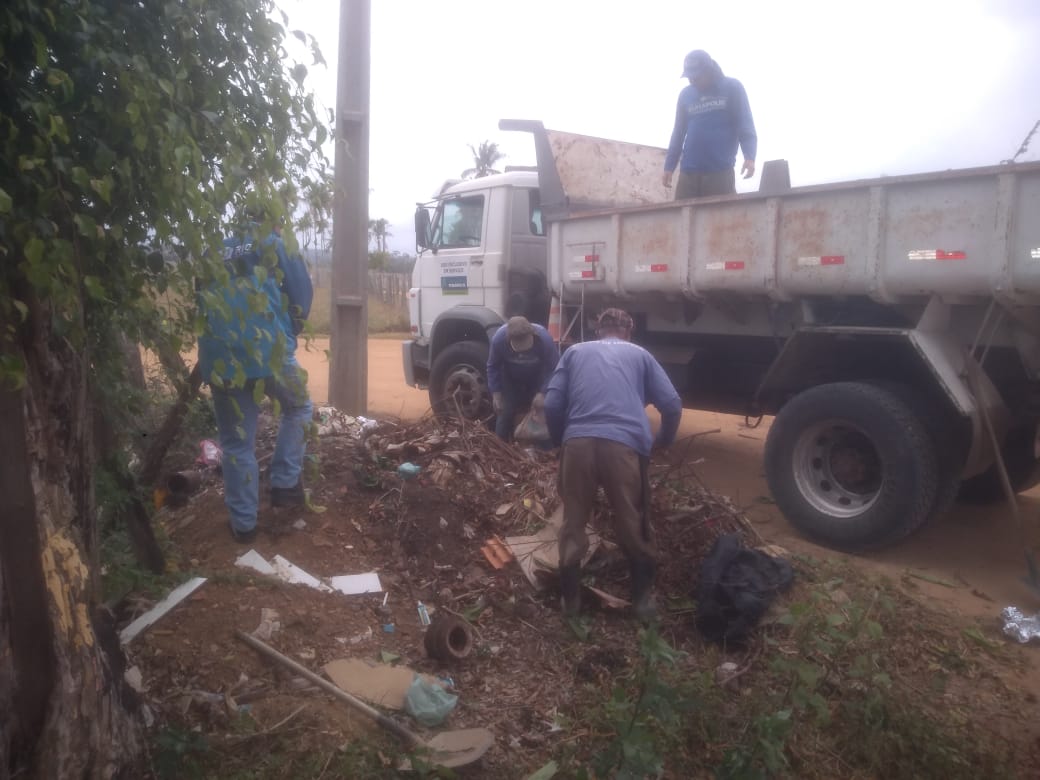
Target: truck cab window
[(459, 222), (537, 226)]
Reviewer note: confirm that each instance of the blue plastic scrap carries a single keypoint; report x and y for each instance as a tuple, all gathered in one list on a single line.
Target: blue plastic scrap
[(428, 702)]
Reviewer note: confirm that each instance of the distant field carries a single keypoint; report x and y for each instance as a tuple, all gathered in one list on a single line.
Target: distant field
[(382, 317)]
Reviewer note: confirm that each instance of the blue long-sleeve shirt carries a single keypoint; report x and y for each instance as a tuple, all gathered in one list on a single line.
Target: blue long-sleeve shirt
[(708, 127), (531, 369), (601, 390)]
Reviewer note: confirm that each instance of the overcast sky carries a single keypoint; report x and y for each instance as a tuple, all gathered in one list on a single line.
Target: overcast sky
[(840, 90)]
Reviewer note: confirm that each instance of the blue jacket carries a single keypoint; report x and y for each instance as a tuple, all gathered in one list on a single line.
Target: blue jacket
[(708, 127), (530, 369), (601, 389), (248, 332)]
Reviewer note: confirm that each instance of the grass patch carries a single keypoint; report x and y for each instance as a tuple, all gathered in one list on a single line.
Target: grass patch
[(382, 317), (851, 680)]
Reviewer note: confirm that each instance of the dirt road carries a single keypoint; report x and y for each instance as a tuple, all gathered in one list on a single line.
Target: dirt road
[(975, 553)]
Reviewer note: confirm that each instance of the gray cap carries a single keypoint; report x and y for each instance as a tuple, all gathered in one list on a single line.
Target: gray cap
[(520, 333), (696, 61)]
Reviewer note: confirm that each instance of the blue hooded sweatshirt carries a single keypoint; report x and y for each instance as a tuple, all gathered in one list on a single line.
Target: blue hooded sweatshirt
[(248, 332), (708, 127)]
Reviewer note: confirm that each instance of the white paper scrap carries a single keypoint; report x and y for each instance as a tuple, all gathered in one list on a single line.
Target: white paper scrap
[(177, 595), (291, 573), (352, 584), (255, 561)]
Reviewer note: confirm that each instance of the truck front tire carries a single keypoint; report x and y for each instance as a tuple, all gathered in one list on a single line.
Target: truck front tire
[(851, 465), (458, 381)]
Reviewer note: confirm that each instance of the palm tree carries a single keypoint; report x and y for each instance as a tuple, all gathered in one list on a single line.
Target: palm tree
[(315, 222), (377, 231), (484, 159)]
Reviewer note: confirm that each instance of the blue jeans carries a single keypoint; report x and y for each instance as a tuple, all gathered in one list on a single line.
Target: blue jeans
[(515, 398), (236, 412)]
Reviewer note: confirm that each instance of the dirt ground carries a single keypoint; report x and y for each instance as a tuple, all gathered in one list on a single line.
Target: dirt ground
[(424, 540)]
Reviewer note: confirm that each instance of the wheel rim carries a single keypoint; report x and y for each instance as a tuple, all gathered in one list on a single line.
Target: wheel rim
[(465, 386), (837, 469)]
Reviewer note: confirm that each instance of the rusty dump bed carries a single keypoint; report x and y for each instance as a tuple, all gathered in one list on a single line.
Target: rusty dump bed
[(963, 235)]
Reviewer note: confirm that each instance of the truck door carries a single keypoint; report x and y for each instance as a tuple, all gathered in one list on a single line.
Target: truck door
[(453, 273)]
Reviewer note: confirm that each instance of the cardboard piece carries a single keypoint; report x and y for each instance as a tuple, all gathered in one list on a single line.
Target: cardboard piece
[(540, 552), (176, 596), (380, 684)]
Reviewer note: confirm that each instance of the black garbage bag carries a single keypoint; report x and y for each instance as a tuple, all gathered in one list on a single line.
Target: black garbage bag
[(736, 587)]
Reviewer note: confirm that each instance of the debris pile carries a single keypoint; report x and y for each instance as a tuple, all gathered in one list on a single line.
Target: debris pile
[(456, 590)]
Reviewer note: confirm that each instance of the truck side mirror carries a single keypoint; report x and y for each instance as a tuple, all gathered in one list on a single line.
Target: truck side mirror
[(422, 228)]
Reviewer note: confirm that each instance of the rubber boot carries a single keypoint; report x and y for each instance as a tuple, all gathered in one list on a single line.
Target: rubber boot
[(643, 606), (570, 590)]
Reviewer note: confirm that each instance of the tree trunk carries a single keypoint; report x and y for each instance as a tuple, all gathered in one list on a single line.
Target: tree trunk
[(61, 685)]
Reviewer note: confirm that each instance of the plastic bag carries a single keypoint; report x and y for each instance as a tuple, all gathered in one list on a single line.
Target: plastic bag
[(428, 702), (532, 429), (210, 453)]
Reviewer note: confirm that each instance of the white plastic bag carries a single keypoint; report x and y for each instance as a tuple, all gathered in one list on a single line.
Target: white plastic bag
[(532, 429)]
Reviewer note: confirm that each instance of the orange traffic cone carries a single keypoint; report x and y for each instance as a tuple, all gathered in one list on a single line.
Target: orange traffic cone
[(555, 318)]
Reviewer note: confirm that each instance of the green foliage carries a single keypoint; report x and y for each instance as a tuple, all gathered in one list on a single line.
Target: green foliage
[(485, 157), (315, 223), (134, 125), (378, 233), (830, 681), (178, 753), (646, 712), (830, 688), (378, 261)]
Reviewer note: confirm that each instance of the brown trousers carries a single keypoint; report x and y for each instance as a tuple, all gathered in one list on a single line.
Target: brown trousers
[(701, 185), (587, 464)]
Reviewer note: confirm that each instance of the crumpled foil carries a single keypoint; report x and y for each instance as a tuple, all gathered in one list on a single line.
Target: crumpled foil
[(1020, 626)]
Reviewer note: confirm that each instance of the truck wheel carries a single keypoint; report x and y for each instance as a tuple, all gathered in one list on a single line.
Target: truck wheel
[(851, 466), (950, 440), (458, 381), (1023, 469)]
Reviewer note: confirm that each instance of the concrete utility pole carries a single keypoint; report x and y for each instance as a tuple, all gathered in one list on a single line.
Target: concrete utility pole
[(348, 364)]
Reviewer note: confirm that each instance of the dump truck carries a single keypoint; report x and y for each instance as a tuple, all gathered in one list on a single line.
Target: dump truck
[(890, 327)]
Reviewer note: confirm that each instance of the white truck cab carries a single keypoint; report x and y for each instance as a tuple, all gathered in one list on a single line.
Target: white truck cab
[(481, 250)]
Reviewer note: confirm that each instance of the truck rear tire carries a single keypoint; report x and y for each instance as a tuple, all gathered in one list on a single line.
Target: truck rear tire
[(458, 381), (1023, 469), (851, 465)]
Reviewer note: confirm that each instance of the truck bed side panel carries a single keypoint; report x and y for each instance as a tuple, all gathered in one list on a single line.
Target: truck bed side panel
[(959, 234)]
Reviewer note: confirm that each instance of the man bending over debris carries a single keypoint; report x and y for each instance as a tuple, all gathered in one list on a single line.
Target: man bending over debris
[(521, 360), (596, 407)]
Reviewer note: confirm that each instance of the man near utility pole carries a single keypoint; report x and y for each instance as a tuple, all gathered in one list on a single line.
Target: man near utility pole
[(596, 408), (521, 360), (712, 117), (248, 350)]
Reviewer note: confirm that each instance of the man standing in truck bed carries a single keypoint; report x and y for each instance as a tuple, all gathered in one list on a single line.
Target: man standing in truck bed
[(596, 407), (712, 116)]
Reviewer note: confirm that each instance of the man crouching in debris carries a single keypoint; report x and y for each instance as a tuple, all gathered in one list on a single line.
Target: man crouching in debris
[(521, 360), (596, 408)]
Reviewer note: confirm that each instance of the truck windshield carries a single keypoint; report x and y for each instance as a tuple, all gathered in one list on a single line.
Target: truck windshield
[(459, 222)]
